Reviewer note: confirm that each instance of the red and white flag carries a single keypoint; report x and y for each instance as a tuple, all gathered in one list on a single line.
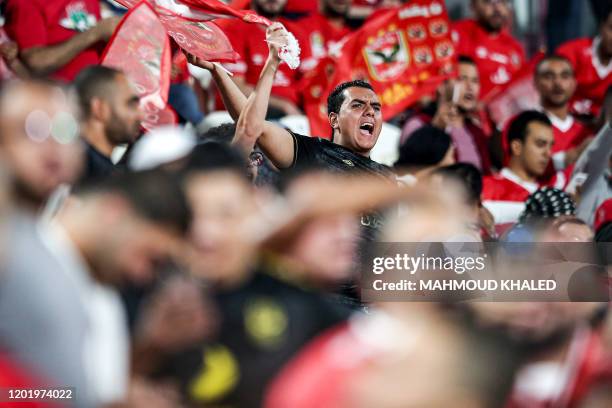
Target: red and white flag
[(516, 96), (141, 49)]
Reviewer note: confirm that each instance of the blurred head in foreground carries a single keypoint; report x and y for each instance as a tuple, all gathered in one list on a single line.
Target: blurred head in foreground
[(38, 139), (426, 149), (128, 224), (223, 202), (537, 326), (387, 365), (322, 249)]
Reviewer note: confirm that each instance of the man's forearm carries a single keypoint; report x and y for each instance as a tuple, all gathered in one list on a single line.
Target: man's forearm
[(233, 98), (251, 123), (47, 59), (276, 102)]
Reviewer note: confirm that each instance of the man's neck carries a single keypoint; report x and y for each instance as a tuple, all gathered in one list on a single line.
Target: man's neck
[(94, 134), (337, 140), (603, 57), (335, 19), (521, 172), (262, 13), (336, 22), (560, 112)]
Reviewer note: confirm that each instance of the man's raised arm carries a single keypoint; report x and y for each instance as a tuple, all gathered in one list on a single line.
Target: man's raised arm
[(251, 126)]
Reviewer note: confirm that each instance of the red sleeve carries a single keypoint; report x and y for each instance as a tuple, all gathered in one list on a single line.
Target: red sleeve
[(25, 23)]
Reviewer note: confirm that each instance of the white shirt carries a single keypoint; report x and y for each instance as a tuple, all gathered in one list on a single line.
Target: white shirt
[(106, 350)]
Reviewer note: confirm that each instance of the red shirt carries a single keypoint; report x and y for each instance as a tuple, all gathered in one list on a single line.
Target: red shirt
[(568, 133), (249, 41), (302, 6), (322, 35), (40, 23), (498, 56), (504, 193), (592, 77)]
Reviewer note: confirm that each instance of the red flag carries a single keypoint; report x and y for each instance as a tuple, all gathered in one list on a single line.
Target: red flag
[(141, 49), (516, 96), (192, 31), (220, 9), (315, 97), (405, 54)]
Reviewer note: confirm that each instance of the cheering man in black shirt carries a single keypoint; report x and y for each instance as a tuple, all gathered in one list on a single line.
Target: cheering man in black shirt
[(354, 115)]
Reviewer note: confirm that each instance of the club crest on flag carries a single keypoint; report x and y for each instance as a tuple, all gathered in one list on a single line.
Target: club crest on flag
[(423, 56), (387, 55), (444, 50), (416, 32), (438, 28)]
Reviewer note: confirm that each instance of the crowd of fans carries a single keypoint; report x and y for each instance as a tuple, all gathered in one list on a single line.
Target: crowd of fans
[(217, 262)]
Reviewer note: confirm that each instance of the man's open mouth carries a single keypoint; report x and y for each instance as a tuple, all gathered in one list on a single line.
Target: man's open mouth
[(367, 129)]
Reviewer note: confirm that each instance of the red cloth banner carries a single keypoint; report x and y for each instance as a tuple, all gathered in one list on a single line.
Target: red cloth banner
[(192, 31), (141, 49), (405, 54), (516, 96)]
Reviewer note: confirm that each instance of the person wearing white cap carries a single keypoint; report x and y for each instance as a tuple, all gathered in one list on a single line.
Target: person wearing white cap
[(163, 145)]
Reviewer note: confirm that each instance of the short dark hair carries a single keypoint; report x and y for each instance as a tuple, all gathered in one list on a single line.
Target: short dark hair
[(467, 175), (336, 97), (223, 133), (216, 156), (517, 130), (424, 147), (93, 82), (602, 11), (552, 57), (155, 195), (464, 59)]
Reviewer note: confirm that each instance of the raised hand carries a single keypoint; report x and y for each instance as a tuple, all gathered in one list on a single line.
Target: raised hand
[(199, 62), (277, 38)]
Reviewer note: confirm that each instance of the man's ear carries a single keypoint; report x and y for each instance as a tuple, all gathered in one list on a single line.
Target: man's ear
[(516, 147), (99, 109), (333, 121)]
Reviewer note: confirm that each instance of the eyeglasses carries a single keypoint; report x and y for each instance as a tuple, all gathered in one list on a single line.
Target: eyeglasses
[(62, 127)]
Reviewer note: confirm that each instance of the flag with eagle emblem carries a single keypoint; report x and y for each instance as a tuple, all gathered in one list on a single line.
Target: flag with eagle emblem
[(405, 54)]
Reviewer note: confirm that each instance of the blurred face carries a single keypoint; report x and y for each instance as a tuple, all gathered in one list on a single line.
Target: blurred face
[(470, 87), (574, 232), (336, 7), (222, 205), (605, 31), (126, 247), (327, 248), (555, 83), (123, 122), (39, 141), (269, 8), (492, 14), (535, 152), (358, 124), (525, 322)]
